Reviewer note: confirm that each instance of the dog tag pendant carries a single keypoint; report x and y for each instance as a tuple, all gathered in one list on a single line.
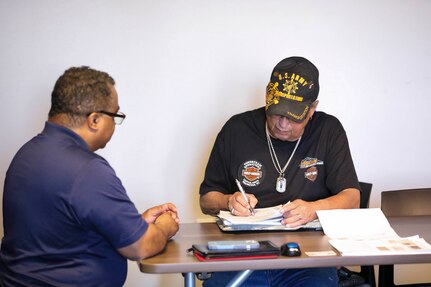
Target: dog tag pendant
[(280, 186)]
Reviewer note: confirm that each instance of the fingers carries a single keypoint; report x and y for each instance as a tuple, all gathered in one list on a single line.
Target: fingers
[(297, 213), (168, 224), (237, 204), (172, 210), (252, 199), (169, 207), (289, 206), (151, 214), (174, 216), (294, 220)]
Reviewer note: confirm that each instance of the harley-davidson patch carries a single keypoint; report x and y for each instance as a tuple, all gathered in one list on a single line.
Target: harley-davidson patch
[(252, 173), (311, 173), (309, 162)]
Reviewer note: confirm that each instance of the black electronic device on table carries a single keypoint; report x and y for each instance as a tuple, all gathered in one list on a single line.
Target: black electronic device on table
[(290, 249)]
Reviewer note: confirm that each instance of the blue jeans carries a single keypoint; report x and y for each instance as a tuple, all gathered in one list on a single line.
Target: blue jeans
[(308, 277)]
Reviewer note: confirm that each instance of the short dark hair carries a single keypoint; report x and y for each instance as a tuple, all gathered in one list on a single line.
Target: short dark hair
[(80, 91)]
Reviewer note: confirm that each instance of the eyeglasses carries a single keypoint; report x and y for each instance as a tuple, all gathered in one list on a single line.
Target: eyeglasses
[(118, 117)]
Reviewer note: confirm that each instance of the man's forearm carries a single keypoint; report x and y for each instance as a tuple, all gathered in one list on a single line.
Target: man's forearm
[(348, 198), (212, 202)]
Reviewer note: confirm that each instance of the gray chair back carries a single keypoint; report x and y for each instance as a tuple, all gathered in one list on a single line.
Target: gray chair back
[(406, 202)]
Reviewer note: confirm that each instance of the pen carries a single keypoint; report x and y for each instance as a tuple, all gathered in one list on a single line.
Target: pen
[(245, 197)]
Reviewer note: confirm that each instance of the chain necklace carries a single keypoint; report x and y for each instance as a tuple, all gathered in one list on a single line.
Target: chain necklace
[(280, 184)]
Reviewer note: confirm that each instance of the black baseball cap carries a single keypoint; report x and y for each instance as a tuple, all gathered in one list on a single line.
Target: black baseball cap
[(293, 87)]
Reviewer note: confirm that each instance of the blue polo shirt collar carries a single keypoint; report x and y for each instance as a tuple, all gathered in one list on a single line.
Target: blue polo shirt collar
[(56, 130)]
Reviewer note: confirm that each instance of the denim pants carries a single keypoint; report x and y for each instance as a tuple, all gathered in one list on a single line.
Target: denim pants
[(308, 277)]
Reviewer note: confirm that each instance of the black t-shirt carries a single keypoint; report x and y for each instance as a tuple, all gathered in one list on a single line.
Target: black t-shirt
[(321, 166)]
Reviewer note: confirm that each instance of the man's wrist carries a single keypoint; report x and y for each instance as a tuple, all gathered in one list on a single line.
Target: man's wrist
[(229, 205)]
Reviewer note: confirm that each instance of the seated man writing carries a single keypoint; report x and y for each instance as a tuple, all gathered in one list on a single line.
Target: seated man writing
[(283, 152)]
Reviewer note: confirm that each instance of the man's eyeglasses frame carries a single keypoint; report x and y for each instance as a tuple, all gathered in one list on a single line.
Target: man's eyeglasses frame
[(118, 117)]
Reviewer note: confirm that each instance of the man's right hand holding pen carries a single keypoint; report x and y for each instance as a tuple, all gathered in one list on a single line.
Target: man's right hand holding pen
[(239, 206)]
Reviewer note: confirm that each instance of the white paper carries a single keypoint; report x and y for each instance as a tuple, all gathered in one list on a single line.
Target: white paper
[(360, 223), (268, 218), (263, 216), (366, 231), (407, 245)]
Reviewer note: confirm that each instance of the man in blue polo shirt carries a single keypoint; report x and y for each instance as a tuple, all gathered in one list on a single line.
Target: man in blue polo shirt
[(67, 218)]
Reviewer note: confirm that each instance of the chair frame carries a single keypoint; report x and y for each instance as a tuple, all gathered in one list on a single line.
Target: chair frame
[(366, 271), (403, 202)]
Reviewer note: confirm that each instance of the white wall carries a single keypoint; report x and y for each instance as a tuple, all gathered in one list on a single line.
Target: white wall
[(184, 67)]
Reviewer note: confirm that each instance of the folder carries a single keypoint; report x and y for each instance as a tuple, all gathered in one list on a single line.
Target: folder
[(266, 219), (266, 250)]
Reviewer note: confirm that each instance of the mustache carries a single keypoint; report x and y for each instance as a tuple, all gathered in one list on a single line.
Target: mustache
[(286, 129)]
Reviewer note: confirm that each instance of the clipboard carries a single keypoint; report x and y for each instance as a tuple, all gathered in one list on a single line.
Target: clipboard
[(266, 250), (312, 225)]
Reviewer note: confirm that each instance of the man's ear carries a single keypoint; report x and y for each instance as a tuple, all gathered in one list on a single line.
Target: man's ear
[(93, 121), (313, 109), (315, 104)]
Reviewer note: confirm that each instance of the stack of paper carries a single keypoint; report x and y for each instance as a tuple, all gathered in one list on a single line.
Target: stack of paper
[(263, 216), (265, 219), (366, 232)]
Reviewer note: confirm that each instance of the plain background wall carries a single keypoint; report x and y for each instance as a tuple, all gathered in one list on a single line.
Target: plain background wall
[(184, 67)]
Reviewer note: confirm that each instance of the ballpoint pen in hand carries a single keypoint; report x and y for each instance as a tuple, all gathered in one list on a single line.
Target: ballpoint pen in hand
[(245, 197)]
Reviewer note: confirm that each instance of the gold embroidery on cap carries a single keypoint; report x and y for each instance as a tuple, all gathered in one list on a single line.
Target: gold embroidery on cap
[(290, 86), (301, 116)]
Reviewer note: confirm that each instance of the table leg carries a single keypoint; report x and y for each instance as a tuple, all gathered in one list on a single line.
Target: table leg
[(386, 275), (239, 278), (189, 279)]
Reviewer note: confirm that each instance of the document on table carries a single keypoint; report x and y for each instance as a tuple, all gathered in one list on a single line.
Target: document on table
[(263, 216), (367, 231), (265, 219)]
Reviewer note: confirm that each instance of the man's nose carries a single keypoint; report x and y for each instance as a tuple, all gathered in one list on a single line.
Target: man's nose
[(284, 121)]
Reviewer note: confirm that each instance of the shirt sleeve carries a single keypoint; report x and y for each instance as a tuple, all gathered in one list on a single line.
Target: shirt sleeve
[(217, 172), (102, 204), (341, 172)]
